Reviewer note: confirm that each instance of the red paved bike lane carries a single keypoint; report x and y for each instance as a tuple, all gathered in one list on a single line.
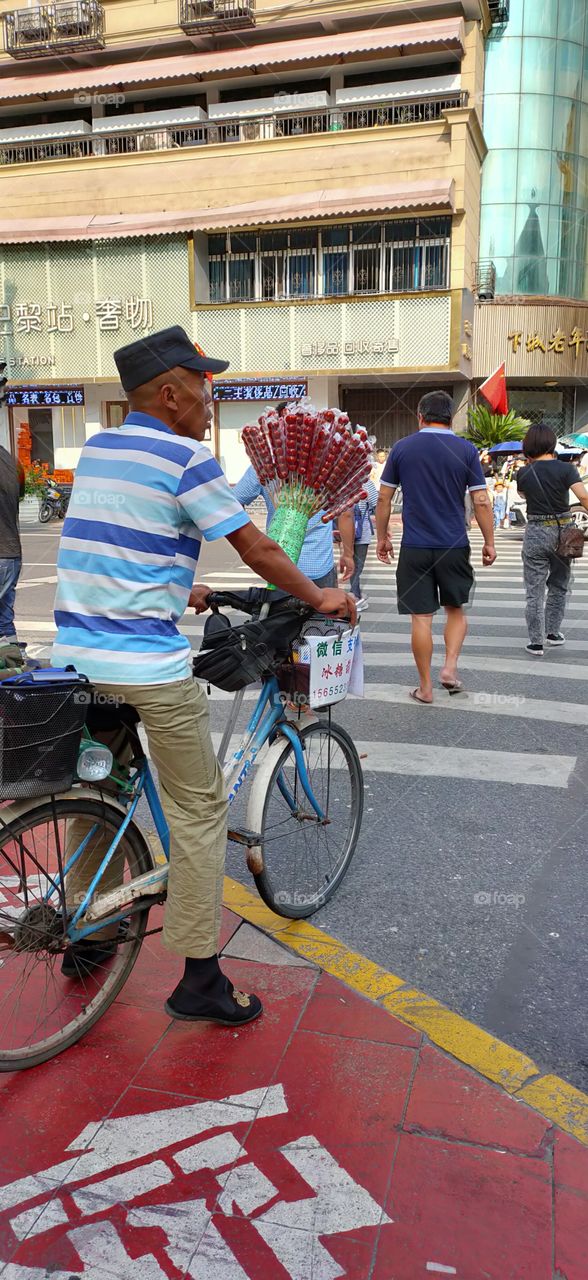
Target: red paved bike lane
[(327, 1139)]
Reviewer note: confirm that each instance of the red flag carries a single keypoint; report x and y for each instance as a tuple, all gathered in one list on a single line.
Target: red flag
[(494, 390)]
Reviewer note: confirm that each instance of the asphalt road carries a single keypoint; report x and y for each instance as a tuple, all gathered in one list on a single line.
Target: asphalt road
[(470, 876)]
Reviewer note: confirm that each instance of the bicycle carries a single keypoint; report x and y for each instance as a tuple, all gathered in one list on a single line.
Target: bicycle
[(303, 820)]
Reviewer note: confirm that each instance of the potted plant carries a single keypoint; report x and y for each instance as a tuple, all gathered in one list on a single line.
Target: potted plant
[(486, 429), (34, 484)]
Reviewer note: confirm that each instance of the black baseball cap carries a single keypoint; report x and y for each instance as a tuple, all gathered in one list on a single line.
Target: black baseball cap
[(141, 361)]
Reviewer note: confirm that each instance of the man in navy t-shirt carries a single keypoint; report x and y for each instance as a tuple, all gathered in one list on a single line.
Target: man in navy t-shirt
[(435, 469)]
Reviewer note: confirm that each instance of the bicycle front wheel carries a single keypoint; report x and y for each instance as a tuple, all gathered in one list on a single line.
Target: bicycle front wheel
[(43, 1010), (305, 857)]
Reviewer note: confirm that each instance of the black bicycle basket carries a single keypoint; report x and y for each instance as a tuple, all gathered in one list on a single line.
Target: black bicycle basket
[(42, 715), (237, 656)]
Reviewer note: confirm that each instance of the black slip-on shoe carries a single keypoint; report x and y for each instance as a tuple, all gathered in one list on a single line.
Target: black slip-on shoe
[(231, 1009)]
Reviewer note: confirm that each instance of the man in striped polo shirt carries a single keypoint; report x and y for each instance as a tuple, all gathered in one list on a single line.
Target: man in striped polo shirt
[(144, 497)]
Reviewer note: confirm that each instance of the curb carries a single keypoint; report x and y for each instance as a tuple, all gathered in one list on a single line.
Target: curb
[(554, 1099)]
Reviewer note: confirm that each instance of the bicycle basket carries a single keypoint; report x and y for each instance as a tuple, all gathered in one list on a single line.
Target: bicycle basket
[(319, 671), (238, 656), (42, 715)]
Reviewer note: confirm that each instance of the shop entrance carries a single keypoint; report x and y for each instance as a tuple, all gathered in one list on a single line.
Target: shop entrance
[(41, 429), (387, 411)]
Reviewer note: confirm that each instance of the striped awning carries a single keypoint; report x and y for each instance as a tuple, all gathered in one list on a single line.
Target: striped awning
[(445, 35), (44, 132), (149, 120)]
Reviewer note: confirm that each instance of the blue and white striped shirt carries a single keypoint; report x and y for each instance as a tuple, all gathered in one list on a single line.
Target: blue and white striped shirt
[(142, 500)]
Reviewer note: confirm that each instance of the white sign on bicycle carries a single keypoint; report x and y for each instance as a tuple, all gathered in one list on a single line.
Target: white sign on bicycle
[(336, 667)]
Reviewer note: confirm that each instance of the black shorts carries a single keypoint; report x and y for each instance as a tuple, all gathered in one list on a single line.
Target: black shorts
[(427, 577)]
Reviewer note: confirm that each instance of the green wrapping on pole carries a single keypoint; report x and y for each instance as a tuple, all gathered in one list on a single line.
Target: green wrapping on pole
[(288, 529)]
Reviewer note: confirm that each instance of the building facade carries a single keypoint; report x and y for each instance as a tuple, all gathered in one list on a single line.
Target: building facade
[(300, 189), (533, 274)]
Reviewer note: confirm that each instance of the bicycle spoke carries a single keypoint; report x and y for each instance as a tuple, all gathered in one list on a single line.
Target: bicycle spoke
[(41, 1008)]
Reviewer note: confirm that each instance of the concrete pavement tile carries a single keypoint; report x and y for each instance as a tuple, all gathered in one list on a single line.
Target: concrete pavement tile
[(202, 1059), (448, 1100), (571, 1234), (570, 1163), (334, 1009), (346, 1090), (472, 1212), (37, 1112), (248, 943)]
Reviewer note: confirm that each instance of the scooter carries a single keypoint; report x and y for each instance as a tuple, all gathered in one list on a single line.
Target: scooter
[(54, 504)]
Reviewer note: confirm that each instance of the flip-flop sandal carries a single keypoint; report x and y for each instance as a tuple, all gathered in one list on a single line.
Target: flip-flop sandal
[(452, 686), (414, 694)]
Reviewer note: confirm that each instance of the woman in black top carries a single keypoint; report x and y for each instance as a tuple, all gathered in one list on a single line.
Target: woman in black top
[(545, 484)]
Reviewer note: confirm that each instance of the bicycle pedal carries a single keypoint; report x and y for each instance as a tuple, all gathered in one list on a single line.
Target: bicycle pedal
[(149, 884), (240, 836)]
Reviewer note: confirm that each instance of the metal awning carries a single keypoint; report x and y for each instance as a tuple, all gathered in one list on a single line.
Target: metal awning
[(445, 35), (304, 206), (279, 103), (149, 120), (44, 132), (425, 87)]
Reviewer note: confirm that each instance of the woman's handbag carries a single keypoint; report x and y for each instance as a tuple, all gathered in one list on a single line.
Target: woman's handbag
[(570, 545)]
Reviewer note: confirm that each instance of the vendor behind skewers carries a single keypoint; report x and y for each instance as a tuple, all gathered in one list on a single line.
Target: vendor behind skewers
[(317, 559)]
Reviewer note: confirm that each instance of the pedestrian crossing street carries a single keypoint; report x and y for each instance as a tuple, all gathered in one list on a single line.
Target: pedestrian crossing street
[(504, 684), (529, 696)]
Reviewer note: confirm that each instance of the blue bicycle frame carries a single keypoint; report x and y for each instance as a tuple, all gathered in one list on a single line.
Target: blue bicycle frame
[(267, 715)]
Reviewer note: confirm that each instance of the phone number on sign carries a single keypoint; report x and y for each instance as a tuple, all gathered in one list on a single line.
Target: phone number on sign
[(332, 691)]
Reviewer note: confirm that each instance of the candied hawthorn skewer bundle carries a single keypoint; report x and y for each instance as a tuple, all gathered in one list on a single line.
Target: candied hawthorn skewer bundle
[(310, 461)]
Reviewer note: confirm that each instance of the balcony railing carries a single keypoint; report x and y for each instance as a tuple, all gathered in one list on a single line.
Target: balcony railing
[(499, 12), (215, 15), (485, 279), (64, 27), (212, 132)]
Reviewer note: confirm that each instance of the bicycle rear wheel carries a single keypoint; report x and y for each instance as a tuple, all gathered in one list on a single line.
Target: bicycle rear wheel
[(305, 858), (43, 1012)]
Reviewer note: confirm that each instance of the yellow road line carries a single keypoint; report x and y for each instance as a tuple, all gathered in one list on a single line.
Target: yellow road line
[(553, 1098)]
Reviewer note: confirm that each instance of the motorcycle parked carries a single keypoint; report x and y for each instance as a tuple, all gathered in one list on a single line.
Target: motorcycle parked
[(54, 504)]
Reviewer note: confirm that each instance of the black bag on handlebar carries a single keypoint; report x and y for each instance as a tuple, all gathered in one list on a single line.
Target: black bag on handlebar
[(237, 656)]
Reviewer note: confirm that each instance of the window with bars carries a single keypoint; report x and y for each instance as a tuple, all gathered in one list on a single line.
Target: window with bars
[(411, 255)]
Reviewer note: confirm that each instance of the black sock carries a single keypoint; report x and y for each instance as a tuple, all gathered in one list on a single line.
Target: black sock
[(204, 977)]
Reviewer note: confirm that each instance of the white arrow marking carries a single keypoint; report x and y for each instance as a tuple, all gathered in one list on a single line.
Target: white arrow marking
[(292, 1228), (117, 1142), (195, 1246)]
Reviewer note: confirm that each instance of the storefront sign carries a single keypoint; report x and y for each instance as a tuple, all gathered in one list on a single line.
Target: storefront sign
[(363, 347), (44, 397), (558, 342), (259, 390), (33, 317), (535, 340)]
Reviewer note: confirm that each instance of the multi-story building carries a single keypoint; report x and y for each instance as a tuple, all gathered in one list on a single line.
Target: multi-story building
[(533, 277), (298, 185)]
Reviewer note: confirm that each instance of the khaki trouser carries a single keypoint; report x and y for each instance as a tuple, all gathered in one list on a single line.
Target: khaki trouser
[(193, 796)]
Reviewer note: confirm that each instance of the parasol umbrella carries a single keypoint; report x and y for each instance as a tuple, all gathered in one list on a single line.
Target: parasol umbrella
[(507, 446), (579, 438)]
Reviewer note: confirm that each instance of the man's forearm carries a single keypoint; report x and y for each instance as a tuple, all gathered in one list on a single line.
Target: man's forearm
[(267, 559), (383, 511), (346, 527), (485, 519)]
